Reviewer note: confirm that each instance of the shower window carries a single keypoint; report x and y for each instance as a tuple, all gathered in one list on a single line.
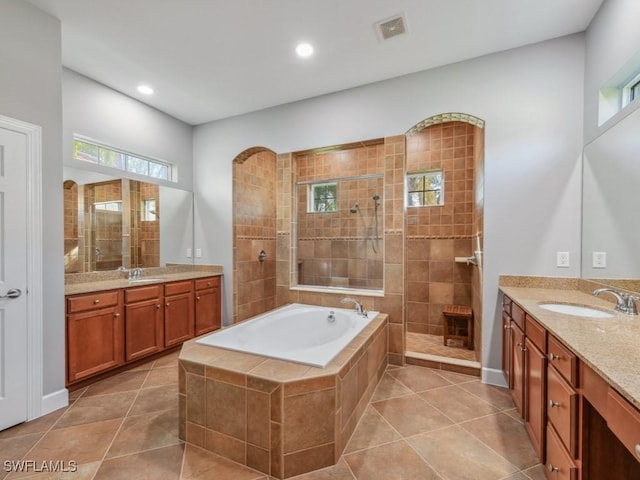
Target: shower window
[(424, 189), (322, 197)]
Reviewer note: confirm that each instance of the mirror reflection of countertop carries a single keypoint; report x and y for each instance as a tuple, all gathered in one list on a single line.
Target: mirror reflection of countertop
[(610, 346), (95, 284)]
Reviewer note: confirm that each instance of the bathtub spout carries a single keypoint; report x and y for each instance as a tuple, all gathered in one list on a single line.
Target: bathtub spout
[(359, 308)]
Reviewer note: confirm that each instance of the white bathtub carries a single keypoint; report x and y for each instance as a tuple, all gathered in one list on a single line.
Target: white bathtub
[(299, 333)]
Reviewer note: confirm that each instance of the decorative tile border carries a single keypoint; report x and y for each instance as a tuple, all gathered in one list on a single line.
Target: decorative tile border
[(444, 118)]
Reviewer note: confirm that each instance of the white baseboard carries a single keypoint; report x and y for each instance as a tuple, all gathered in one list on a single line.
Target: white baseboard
[(493, 376), (54, 401)]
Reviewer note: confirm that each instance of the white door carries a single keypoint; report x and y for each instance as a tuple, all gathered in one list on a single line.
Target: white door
[(13, 278)]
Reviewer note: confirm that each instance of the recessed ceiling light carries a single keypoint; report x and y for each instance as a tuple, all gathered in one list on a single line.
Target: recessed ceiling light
[(304, 50), (145, 89)]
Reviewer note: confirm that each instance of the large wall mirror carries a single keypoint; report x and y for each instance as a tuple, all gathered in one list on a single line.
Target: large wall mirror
[(611, 204), (111, 222)]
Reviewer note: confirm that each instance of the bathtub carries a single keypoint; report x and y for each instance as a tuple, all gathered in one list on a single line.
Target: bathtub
[(306, 334)]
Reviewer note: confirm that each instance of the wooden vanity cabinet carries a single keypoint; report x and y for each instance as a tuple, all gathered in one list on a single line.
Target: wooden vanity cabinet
[(95, 336), (207, 305), (143, 325), (517, 386), (179, 318), (535, 381), (506, 339)]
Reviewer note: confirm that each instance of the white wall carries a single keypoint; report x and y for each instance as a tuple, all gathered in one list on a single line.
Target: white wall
[(612, 40), (532, 101), (30, 90), (93, 110)]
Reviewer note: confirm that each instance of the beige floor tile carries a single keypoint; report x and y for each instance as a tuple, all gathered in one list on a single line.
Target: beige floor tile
[(419, 379), (457, 378), (389, 387), (97, 409), (497, 396), (516, 476), (144, 432), (457, 404), (155, 399), (15, 448), (536, 472), (159, 464), (39, 425), (372, 430), (83, 443), (170, 360), (433, 345), (162, 376), (85, 471), (411, 415), (393, 461), (506, 436), (200, 464), (339, 471), (123, 382), (456, 454)]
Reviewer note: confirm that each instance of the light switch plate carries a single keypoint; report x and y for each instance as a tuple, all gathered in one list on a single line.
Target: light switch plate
[(198, 252), (599, 260)]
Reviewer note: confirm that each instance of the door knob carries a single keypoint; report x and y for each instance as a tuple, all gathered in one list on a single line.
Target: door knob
[(13, 293)]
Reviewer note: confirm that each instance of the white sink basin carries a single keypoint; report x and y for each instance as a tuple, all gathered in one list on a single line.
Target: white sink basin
[(576, 310), (145, 280)]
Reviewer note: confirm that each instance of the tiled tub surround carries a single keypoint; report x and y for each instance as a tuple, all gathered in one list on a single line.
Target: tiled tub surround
[(278, 417), (608, 346), (75, 283)]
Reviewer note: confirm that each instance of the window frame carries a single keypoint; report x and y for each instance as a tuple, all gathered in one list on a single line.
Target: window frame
[(424, 191), (312, 198)]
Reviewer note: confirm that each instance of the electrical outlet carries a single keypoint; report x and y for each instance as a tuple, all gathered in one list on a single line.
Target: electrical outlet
[(198, 253), (188, 253), (563, 260), (599, 260)]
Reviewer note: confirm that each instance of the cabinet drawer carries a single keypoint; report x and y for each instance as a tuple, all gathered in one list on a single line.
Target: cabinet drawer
[(176, 288), (92, 301), (594, 389), (142, 293), (210, 282), (624, 421), (506, 304), (560, 465), (563, 360), (562, 410), (517, 314), (536, 334)]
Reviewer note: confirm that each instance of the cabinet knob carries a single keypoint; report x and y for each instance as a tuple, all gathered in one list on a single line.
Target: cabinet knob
[(96, 301), (553, 356), (158, 306), (198, 297), (553, 469), (116, 315), (167, 304), (553, 404), (506, 327), (208, 284), (638, 450)]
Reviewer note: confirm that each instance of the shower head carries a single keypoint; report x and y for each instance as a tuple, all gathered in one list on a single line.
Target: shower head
[(376, 197), (355, 208)]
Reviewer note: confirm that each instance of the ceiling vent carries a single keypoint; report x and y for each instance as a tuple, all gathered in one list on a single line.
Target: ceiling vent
[(391, 27)]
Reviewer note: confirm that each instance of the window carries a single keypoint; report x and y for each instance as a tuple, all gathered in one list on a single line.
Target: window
[(114, 206), (149, 210), (424, 189), (322, 197), (113, 158), (631, 91)]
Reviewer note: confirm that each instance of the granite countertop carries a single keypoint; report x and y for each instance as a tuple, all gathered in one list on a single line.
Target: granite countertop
[(102, 285), (610, 346)]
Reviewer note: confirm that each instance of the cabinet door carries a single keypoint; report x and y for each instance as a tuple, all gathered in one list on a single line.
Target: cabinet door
[(178, 318), (517, 367), (144, 333), (535, 396), (94, 342), (506, 348), (207, 310)]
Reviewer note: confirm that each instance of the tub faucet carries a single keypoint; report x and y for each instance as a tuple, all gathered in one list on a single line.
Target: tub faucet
[(359, 308), (625, 302)]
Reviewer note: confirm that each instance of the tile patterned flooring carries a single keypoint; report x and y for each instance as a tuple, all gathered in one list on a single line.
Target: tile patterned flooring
[(432, 345), (420, 424)]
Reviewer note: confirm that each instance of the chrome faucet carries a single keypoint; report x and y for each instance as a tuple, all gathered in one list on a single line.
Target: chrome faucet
[(132, 274), (625, 302), (359, 308)]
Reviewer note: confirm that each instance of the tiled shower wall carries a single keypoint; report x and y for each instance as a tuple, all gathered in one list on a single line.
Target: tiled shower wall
[(145, 249), (478, 240), (254, 229), (436, 235), (105, 232), (342, 248), (72, 246), (389, 160)]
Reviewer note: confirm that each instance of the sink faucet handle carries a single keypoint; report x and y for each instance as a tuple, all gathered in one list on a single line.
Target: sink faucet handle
[(625, 302)]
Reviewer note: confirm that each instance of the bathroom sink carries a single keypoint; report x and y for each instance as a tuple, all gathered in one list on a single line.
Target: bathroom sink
[(145, 280), (576, 310)]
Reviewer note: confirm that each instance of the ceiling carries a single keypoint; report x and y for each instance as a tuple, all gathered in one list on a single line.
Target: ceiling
[(212, 59)]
